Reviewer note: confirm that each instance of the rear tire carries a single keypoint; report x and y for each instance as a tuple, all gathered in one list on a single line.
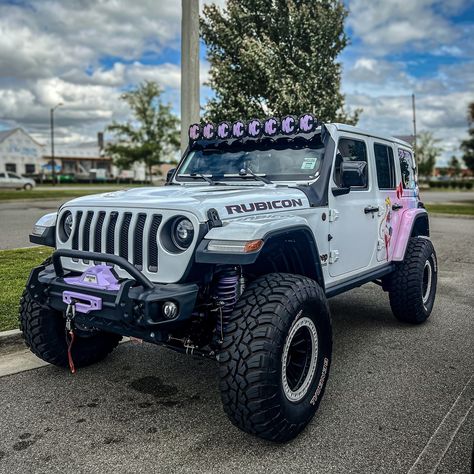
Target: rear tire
[(44, 333), (276, 355), (412, 287)]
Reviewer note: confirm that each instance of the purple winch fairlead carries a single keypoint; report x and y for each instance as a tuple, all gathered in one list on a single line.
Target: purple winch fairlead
[(83, 303)]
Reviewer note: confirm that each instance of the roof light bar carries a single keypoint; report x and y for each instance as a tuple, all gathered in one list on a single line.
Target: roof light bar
[(254, 128)]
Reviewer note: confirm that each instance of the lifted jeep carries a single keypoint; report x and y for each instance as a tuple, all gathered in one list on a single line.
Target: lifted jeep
[(234, 259)]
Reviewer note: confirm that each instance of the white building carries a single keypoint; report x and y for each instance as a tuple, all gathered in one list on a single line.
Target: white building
[(20, 153)]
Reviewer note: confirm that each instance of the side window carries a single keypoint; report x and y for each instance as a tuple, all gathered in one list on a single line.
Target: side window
[(407, 167), (353, 151), (385, 166)]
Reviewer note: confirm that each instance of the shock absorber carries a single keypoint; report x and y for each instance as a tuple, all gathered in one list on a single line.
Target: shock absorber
[(226, 294)]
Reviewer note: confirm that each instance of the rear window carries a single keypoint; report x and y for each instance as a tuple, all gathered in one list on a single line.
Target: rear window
[(407, 167), (385, 166)]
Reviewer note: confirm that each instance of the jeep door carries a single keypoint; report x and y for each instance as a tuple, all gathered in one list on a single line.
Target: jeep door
[(353, 208)]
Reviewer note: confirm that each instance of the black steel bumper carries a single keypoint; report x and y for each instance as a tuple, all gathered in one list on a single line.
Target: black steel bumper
[(134, 309)]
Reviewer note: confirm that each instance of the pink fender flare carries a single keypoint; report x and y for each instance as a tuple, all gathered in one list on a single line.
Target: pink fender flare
[(404, 232)]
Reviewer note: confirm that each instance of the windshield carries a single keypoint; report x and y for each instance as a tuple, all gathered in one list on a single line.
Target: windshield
[(280, 159)]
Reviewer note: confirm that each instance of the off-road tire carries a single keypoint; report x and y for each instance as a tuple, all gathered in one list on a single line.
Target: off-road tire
[(408, 285), (44, 332), (250, 361)]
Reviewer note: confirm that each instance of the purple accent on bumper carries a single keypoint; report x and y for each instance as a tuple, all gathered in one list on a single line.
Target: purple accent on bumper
[(84, 303), (99, 277)]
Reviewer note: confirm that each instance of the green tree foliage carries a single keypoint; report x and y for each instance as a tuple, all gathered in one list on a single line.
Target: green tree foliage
[(427, 151), (275, 57), (151, 136), (454, 167), (468, 145)]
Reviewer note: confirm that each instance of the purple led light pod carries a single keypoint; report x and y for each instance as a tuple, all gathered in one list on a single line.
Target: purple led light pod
[(223, 130), (208, 131), (254, 128), (238, 129), (194, 132), (288, 125), (307, 123), (270, 127)]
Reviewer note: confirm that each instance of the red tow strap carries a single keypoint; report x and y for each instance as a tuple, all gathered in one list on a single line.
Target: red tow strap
[(70, 342)]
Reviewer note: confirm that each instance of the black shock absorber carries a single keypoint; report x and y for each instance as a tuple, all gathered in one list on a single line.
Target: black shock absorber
[(226, 293)]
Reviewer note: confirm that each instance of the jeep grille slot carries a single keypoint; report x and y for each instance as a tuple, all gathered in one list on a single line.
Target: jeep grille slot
[(75, 236), (86, 232), (153, 244), (131, 235), (110, 238), (138, 241), (127, 217)]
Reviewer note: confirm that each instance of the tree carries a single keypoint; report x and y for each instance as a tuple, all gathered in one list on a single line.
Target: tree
[(426, 153), (454, 167), (468, 145), (275, 57), (151, 135)]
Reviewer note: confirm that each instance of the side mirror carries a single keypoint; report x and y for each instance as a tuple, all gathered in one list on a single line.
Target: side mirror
[(169, 175), (353, 174)]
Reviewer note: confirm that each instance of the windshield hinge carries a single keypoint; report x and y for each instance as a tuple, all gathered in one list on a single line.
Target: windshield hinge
[(333, 215)]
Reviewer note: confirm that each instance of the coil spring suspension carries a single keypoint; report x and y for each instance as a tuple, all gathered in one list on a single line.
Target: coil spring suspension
[(226, 293)]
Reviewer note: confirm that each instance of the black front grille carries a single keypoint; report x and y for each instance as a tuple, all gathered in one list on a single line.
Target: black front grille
[(142, 228)]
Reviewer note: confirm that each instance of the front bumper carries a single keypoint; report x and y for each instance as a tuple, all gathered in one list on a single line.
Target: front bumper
[(131, 306)]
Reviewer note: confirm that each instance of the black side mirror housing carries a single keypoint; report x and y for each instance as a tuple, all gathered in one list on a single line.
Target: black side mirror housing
[(353, 174), (169, 175)]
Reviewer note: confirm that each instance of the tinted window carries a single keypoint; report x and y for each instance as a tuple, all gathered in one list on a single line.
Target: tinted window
[(30, 168), (407, 167), (385, 166), (2, 175), (350, 150)]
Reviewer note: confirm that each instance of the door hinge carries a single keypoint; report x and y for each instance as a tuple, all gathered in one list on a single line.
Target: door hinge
[(333, 215), (333, 256), (380, 244)]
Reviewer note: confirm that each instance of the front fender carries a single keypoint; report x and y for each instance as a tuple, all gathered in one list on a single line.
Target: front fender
[(405, 231), (246, 229)]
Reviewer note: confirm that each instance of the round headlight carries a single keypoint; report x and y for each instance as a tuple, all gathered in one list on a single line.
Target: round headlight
[(67, 224), (182, 233)]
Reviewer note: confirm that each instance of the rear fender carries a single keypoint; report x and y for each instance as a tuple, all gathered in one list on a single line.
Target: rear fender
[(414, 222)]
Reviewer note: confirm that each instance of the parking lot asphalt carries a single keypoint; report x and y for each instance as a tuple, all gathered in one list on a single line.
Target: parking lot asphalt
[(399, 398)]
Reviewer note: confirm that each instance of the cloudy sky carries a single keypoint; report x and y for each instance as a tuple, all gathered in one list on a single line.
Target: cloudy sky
[(85, 52)]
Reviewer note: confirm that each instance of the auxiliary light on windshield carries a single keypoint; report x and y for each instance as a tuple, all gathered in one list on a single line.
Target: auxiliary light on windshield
[(254, 128)]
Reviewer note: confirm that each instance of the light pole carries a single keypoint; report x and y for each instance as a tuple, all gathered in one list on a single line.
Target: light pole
[(53, 170), (189, 67)]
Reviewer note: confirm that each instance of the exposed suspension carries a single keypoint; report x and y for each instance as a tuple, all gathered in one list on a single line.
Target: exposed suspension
[(226, 292)]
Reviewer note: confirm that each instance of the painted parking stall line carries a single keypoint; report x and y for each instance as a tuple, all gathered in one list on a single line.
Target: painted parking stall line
[(442, 438)]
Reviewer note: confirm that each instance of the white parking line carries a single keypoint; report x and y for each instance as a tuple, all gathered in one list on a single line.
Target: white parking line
[(442, 438)]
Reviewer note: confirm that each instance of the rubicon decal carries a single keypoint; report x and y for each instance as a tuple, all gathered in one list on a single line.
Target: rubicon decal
[(263, 206)]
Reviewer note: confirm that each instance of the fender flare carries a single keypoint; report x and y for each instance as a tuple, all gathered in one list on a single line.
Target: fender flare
[(228, 258), (414, 222)]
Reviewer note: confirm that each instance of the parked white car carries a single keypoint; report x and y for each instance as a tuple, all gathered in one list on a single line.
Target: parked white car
[(15, 181)]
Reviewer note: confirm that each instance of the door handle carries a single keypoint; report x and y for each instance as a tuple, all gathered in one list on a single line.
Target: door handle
[(370, 209), (397, 207)]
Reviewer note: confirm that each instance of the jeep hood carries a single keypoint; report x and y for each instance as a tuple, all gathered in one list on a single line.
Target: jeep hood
[(229, 201)]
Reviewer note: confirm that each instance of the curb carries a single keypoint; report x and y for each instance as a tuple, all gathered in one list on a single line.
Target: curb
[(11, 341)]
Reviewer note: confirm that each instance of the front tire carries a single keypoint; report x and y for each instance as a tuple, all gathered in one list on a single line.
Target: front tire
[(412, 287), (275, 357), (44, 333), (27, 187)]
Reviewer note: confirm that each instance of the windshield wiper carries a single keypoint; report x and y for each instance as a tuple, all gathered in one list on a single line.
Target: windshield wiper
[(205, 178), (248, 171)]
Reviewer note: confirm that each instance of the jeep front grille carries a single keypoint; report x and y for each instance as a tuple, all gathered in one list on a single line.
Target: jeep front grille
[(132, 236)]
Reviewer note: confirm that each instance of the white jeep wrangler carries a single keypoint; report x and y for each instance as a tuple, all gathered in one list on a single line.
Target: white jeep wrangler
[(234, 259)]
